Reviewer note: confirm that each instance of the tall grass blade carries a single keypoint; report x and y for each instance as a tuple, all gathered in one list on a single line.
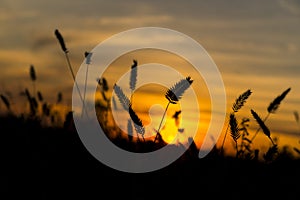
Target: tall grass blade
[(237, 105)]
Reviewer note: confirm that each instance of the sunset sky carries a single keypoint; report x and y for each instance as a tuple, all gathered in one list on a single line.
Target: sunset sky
[(255, 44)]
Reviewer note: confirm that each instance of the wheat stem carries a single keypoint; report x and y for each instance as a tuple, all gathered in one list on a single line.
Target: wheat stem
[(84, 92), (258, 129), (162, 119), (236, 147), (74, 79), (222, 147)]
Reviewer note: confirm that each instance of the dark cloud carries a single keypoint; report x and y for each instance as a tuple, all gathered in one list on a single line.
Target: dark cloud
[(42, 42)]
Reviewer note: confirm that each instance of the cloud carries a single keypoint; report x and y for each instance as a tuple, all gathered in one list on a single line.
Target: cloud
[(293, 6), (134, 20)]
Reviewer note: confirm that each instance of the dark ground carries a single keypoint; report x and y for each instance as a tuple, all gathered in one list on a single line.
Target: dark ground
[(52, 163)]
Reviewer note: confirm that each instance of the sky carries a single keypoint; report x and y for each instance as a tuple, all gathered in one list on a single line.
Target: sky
[(255, 44)]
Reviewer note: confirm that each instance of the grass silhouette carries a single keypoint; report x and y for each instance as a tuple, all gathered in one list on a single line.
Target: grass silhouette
[(237, 105), (47, 145)]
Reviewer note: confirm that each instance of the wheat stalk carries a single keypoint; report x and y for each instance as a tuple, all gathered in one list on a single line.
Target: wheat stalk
[(262, 125), (174, 94), (126, 104), (138, 124), (87, 56), (66, 51), (274, 105), (234, 127), (133, 78), (133, 75), (235, 134), (240, 101), (124, 100), (272, 108), (237, 105), (61, 41)]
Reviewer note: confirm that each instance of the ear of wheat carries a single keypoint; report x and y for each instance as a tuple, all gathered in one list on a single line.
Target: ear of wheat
[(129, 130), (240, 101), (124, 100), (138, 124), (32, 73), (66, 51), (234, 127), (237, 105), (175, 93), (235, 134), (133, 75), (274, 105), (61, 40), (262, 125)]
